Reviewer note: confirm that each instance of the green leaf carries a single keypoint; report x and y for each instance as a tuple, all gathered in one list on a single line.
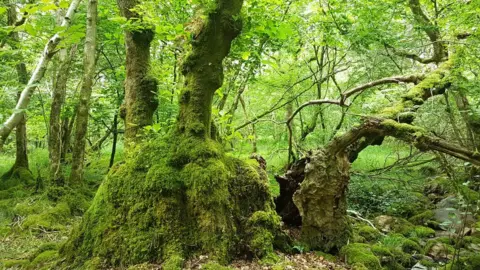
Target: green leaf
[(246, 55)]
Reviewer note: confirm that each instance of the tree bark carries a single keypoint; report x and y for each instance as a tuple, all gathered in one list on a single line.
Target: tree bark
[(140, 89), (115, 138), (78, 155), (21, 156), (36, 77), (55, 140), (203, 68)]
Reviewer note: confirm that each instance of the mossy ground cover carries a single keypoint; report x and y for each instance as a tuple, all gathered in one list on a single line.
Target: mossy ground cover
[(32, 225)]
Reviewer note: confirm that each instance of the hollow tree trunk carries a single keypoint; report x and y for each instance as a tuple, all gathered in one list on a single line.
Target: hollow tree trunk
[(180, 197), (78, 155), (322, 201)]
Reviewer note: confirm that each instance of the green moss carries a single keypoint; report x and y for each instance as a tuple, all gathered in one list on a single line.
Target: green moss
[(399, 242), (422, 232), (173, 262), (326, 256), (18, 177), (369, 233), (50, 220), (391, 257), (43, 248), (428, 263), (410, 246), (7, 264), (215, 266), (422, 218), (43, 259), (359, 266), (436, 82), (360, 254), (401, 127), (261, 225), (169, 202)]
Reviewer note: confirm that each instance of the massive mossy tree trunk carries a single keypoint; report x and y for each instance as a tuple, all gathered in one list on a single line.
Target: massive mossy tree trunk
[(180, 196), (78, 156)]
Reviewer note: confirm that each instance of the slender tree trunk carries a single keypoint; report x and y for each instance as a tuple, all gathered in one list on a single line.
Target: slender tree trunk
[(67, 127), (21, 157), (55, 140), (115, 138), (36, 77), (81, 126)]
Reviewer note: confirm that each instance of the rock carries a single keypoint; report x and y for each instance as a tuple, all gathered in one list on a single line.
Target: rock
[(419, 266), (384, 223), (448, 202), (393, 224), (440, 252)]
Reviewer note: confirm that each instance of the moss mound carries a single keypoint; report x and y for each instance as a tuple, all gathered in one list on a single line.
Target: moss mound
[(169, 203), (360, 255), (369, 233), (12, 184)]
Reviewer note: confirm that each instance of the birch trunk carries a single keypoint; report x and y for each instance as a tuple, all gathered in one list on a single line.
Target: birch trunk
[(81, 125), (21, 157), (36, 77)]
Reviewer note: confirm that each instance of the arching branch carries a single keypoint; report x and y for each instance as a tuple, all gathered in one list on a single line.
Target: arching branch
[(342, 102), (375, 127)]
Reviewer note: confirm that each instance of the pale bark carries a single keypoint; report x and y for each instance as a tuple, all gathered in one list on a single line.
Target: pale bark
[(81, 126), (36, 77), (21, 157), (58, 100)]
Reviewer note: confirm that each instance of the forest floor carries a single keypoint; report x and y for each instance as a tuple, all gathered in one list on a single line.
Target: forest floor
[(409, 216)]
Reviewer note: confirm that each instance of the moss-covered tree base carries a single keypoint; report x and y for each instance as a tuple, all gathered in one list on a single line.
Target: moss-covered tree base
[(169, 203), (12, 183)]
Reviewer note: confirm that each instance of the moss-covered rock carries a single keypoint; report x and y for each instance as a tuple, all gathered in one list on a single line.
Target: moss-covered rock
[(357, 253), (164, 205), (425, 218), (387, 257), (15, 264), (393, 224), (422, 232), (369, 233), (439, 250)]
